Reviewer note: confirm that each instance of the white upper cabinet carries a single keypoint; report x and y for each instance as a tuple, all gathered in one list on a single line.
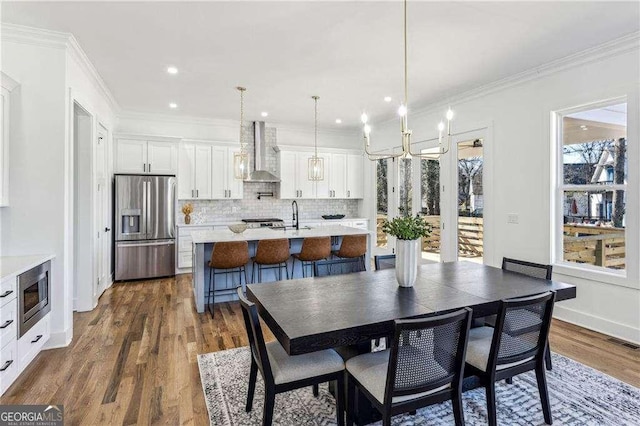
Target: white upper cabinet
[(294, 175), (355, 176), (146, 157), (338, 176), (206, 172), (343, 175), (162, 158)]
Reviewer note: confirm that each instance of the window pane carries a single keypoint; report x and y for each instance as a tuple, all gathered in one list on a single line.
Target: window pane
[(406, 191), (430, 207), (595, 146), (470, 200), (382, 199), (594, 228)]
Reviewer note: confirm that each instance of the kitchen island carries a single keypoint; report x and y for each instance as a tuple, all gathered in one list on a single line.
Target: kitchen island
[(203, 242)]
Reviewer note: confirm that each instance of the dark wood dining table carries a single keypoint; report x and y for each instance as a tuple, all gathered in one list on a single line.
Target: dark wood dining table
[(311, 314)]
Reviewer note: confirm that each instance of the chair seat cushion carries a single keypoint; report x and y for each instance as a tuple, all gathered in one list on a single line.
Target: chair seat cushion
[(479, 347), (287, 368), (371, 371)]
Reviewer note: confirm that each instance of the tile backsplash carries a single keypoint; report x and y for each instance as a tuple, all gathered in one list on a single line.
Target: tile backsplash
[(207, 211)]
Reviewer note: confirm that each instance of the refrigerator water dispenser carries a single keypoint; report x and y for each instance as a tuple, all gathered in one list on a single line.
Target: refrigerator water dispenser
[(130, 221)]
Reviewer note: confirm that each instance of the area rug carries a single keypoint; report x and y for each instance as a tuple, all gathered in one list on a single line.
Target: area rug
[(579, 395)]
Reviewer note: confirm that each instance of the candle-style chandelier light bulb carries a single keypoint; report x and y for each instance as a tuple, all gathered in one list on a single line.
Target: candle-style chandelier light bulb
[(403, 112)]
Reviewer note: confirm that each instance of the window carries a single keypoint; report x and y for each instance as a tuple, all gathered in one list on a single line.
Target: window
[(593, 164)]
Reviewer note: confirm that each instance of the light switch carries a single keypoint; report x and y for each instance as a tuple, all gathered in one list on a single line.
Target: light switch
[(513, 218)]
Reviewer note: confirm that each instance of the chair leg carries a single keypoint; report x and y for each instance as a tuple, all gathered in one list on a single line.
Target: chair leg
[(544, 393), (340, 400), (316, 390), (491, 403), (286, 270), (253, 373), (259, 273), (269, 402), (509, 381), (386, 419), (458, 412), (212, 291), (246, 279), (351, 404), (547, 358)]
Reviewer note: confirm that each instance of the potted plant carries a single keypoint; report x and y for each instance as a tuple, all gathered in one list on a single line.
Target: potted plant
[(408, 231), (187, 209)]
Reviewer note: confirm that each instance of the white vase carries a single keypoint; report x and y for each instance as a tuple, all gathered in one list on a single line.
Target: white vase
[(407, 252)]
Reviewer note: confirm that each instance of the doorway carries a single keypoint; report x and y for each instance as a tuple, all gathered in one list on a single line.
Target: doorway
[(84, 278), (102, 213), (470, 200)]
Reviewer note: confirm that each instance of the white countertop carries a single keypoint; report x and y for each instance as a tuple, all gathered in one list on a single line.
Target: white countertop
[(302, 221), (200, 237), (16, 265)]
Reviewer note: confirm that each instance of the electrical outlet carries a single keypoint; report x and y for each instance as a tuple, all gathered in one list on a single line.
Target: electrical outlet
[(513, 218)]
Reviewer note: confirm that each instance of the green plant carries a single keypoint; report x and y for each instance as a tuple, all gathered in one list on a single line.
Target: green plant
[(407, 227)]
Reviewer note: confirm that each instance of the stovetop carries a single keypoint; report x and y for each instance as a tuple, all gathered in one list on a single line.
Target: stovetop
[(264, 223)]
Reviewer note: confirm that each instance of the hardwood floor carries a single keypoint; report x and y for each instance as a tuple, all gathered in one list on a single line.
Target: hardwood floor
[(133, 358)]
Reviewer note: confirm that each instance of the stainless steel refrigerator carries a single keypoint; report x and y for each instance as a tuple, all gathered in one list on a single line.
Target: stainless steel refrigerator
[(145, 226)]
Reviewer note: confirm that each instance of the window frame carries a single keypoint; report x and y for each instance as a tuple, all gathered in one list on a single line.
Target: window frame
[(609, 275)]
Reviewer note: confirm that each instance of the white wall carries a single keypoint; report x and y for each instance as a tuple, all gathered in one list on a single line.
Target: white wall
[(519, 120), (49, 68), (35, 221), (227, 130)]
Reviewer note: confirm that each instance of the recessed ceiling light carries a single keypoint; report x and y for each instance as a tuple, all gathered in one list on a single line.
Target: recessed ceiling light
[(172, 70), (387, 98), (264, 113), (173, 105), (338, 121)]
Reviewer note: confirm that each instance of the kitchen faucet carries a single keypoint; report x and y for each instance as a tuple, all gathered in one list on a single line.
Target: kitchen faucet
[(296, 219)]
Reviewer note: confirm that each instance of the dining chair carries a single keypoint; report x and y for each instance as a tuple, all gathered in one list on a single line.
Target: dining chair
[(424, 366), (226, 258), (282, 372), (384, 261), (516, 345), (536, 270)]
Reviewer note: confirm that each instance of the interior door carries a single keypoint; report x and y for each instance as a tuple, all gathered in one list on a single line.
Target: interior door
[(102, 222)]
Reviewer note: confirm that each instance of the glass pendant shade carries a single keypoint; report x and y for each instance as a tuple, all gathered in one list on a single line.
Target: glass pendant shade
[(241, 165), (316, 168)]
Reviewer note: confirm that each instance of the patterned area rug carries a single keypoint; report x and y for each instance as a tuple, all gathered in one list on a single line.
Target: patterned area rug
[(580, 395)]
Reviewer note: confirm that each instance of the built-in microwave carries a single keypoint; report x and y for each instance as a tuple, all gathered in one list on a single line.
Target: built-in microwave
[(34, 296)]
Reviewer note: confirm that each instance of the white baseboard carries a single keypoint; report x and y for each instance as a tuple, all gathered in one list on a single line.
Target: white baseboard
[(601, 325), (60, 339)]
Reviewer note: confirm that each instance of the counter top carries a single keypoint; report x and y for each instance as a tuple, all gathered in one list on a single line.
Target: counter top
[(16, 265), (302, 221), (200, 237)]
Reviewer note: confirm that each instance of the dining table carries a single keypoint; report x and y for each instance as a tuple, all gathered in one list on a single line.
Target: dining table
[(350, 310)]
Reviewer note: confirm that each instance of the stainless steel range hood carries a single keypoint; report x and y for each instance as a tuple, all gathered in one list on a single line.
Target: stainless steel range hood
[(259, 172)]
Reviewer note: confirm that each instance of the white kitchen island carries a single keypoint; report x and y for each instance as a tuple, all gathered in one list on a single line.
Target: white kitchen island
[(203, 242)]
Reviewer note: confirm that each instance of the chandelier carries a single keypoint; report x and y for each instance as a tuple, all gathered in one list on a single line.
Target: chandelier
[(241, 159), (316, 164), (405, 131)]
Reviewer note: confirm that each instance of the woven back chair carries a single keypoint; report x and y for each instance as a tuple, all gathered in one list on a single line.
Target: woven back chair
[(425, 366), (281, 372), (531, 269), (386, 261), (516, 345)]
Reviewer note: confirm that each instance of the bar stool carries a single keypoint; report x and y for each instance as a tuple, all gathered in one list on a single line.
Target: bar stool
[(271, 254), (353, 247), (231, 257), (313, 250)]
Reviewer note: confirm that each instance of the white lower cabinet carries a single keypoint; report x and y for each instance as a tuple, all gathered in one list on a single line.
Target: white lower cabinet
[(17, 353), (185, 243)]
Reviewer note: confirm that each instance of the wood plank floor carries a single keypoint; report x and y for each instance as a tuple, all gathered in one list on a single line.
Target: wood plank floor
[(133, 358)]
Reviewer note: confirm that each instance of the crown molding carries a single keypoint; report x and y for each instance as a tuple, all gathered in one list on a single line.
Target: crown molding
[(64, 41), (616, 47)]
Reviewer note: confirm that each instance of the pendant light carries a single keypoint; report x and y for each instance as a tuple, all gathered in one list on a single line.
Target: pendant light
[(316, 164), (241, 159), (402, 112)]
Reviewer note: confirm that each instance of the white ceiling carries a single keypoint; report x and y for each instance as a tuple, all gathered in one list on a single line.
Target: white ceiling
[(348, 53)]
